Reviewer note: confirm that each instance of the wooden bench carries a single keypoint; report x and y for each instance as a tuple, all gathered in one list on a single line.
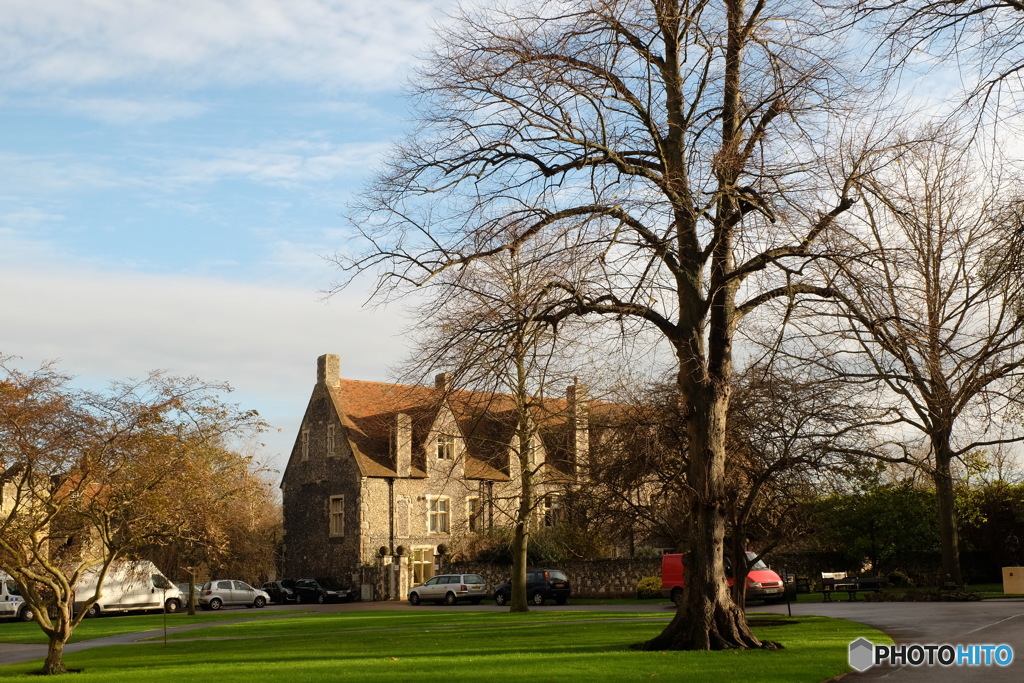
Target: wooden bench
[(833, 582)]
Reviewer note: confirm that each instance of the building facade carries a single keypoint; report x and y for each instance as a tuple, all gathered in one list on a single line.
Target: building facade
[(384, 479)]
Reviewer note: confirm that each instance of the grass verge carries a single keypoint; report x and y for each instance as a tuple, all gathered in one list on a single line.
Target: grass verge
[(537, 646), (91, 629)]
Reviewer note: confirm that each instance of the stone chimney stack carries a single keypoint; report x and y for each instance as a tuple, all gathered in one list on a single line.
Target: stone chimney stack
[(403, 444), (443, 382), (328, 370), (579, 426)]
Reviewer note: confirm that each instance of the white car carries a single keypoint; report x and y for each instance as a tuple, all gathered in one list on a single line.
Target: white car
[(223, 592), (450, 588)]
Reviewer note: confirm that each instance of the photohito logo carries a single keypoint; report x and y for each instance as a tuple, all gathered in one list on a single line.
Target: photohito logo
[(864, 654)]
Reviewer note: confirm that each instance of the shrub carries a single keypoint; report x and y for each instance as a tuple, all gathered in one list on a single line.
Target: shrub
[(648, 587), (646, 552)]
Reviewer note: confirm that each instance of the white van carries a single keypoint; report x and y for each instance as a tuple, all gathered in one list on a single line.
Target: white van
[(11, 602), (129, 586)]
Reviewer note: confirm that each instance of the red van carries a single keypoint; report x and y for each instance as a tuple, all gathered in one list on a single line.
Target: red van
[(762, 582)]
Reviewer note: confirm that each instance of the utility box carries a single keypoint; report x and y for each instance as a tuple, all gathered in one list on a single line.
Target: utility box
[(1013, 580)]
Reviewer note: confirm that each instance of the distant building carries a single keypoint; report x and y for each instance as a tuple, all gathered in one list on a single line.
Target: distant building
[(384, 477)]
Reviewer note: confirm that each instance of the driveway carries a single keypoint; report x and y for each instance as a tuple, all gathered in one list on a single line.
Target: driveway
[(954, 623)]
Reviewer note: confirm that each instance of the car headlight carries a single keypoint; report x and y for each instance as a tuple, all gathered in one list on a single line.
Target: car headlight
[(754, 584)]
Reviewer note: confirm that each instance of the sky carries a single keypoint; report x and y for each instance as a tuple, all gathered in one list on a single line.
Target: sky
[(172, 175)]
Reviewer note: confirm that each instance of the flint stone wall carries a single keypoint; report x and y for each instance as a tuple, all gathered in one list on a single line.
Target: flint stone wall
[(611, 578)]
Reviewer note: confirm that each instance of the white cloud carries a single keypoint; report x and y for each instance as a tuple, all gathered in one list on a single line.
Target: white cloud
[(284, 163), (122, 111), (262, 339), (196, 43)]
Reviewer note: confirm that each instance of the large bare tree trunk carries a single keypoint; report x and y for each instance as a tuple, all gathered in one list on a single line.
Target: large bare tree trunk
[(949, 537), (707, 618)]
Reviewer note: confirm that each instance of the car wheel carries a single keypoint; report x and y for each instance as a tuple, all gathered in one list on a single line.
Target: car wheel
[(259, 602), (414, 598), (321, 599), (171, 606), (26, 614), (215, 604), (500, 599), (538, 599), (677, 596), (93, 611), (298, 599), (450, 599)]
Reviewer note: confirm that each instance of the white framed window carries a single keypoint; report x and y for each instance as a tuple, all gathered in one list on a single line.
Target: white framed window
[(305, 444), (551, 510), (437, 515), (337, 515), (445, 446), (422, 561), (474, 514)]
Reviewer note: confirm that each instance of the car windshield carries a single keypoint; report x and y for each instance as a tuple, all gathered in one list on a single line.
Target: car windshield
[(472, 578), (328, 583), (755, 565), (160, 581), (12, 588), (555, 575)]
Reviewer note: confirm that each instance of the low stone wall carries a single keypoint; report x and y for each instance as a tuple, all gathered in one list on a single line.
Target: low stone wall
[(589, 578)]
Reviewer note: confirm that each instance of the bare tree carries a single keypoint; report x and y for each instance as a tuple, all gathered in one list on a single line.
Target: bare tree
[(930, 310), (485, 324), (791, 434), (89, 476), (673, 151), (982, 39)]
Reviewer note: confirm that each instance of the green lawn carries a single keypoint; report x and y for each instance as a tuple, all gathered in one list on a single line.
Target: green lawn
[(90, 629), (537, 646)]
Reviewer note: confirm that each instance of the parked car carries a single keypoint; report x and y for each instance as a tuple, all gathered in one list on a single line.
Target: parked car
[(541, 585), (281, 591), (11, 602), (216, 594), (320, 590), (128, 586), (449, 589), (762, 582)]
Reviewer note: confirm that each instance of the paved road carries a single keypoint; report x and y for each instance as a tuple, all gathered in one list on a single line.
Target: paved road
[(956, 623)]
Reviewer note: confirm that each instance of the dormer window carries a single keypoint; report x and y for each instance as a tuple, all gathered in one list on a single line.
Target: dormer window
[(445, 446)]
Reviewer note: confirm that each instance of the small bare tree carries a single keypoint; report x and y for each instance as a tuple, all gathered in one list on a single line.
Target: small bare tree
[(485, 323)]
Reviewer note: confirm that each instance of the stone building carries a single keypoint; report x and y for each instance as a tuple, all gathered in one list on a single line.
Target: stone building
[(383, 478)]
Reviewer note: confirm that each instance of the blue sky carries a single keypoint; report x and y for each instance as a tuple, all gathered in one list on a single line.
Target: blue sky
[(172, 174)]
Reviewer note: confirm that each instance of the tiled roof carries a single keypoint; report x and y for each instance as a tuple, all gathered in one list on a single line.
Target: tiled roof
[(368, 410)]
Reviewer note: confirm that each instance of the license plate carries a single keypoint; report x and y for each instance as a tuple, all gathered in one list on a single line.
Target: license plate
[(558, 585), (772, 590)]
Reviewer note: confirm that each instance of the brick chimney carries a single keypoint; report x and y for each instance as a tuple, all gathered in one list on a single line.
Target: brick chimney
[(403, 444), (328, 370), (579, 426), (443, 382)]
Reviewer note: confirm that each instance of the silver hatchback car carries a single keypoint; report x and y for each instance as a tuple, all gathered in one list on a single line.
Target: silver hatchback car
[(217, 594), (449, 589)]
